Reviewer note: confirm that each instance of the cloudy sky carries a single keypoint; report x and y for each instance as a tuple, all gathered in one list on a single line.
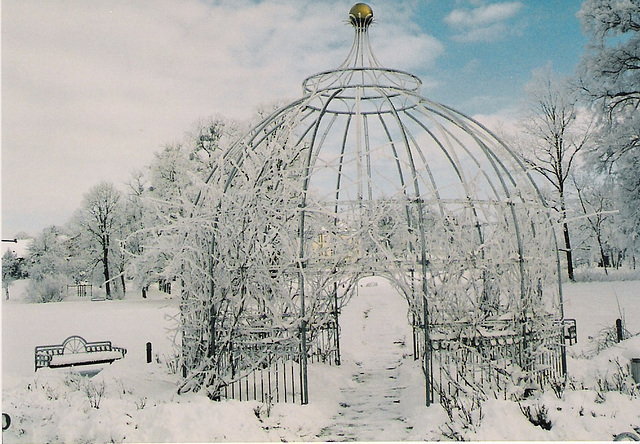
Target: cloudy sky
[(91, 89)]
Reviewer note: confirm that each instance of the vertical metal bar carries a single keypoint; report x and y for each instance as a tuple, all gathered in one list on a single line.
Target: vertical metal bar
[(358, 147), (367, 153), (427, 352), (304, 390), (301, 258), (277, 382), (284, 378), (293, 380), (340, 166), (416, 338), (269, 380)]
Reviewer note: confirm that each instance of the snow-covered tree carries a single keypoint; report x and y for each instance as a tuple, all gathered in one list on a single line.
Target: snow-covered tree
[(165, 192), (555, 138), (10, 270), (207, 139), (611, 67), (99, 222), (594, 195), (48, 265), (137, 217), (610, 80)]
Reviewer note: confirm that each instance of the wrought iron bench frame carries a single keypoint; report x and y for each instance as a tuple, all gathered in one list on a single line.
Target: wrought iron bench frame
[(79, 351)]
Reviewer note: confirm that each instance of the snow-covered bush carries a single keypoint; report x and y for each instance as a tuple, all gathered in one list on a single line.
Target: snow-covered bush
[(607, 337), (618, 379), (465, 415), (591, 274), (94, 392), (537, 414), (47, 289)]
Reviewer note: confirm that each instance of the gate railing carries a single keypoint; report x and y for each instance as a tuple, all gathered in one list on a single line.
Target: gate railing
[(324, 345), (488, 358), (277, 379)]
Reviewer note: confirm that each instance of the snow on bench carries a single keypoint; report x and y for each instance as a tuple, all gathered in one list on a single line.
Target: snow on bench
[(75, 350), (84, 358)]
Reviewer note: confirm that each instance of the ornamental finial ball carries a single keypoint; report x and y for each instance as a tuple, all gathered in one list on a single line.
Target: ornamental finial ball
[(361, 15)]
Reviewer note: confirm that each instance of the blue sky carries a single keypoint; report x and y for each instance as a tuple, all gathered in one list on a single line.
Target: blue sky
[(492, 59), (91, 90)]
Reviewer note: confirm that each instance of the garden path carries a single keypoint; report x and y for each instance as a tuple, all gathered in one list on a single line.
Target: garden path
[(378, 352)]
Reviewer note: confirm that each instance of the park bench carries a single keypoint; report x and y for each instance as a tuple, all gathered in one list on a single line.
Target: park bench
[(75, 351)]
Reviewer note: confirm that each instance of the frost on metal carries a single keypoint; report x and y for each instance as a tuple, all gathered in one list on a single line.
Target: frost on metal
[(360, 176)]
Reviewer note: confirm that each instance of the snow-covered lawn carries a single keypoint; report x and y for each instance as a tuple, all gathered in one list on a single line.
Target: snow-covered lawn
[(376, 394)]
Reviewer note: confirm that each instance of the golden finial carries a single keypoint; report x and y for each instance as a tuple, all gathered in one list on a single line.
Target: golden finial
[(361, 15)]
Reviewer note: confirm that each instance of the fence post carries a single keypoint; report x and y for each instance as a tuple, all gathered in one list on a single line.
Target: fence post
[(148, 352), (635, 369), (619, 334)]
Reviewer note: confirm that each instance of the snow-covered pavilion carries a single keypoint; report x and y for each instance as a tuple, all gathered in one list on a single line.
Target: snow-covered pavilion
[(364, 176)]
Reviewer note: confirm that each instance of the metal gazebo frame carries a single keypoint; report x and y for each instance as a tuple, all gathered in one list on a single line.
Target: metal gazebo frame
[(363, 175)]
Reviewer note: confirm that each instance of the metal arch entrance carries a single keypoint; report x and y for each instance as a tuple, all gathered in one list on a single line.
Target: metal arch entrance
[(404, 285), (360, 175)]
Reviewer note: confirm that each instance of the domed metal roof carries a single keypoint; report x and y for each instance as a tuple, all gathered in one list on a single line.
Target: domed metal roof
[(363, 138)]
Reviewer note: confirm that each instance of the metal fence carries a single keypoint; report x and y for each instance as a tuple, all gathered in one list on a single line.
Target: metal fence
[(278, 379), (280, 375), (82, 289), (489, 359)]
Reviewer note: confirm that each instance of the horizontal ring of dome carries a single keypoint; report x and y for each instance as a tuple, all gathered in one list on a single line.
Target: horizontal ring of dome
[(352, 77)]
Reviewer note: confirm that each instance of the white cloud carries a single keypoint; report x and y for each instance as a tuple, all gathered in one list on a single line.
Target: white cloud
[(503, 123), (90, 90), (483, 22)]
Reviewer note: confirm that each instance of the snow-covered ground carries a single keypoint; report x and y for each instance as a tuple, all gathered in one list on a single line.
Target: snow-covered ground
[(376, 394)]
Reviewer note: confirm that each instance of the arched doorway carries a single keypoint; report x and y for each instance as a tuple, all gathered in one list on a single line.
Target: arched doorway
[(382, 378)]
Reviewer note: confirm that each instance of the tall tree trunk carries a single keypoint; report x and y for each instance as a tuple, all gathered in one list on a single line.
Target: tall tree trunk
[(123, 281), (567, 246), (602, 256), (105, 268), (565, 232)]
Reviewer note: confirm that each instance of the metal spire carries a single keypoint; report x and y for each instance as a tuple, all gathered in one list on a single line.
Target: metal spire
[(361, 68)]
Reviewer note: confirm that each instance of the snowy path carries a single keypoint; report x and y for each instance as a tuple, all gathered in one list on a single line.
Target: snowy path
[(376, 345)]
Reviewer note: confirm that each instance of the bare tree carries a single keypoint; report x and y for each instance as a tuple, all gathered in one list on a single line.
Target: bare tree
[(594, 198), (556, 136), (99, 217)]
